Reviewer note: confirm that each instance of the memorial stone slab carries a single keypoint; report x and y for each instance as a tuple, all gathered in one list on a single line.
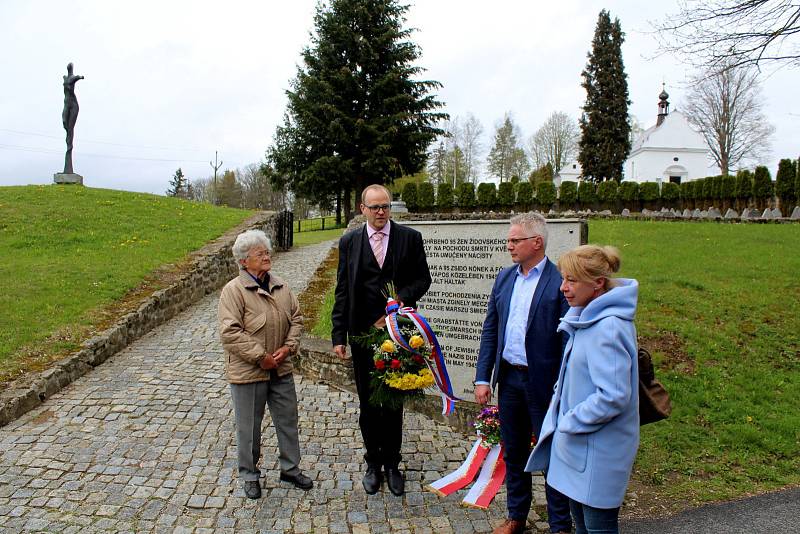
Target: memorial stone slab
[(398, 206), (731, 214), (687, 214), (606, 212), (748, 214), (67, 178), (714, 213), (626, 212), (767, 214), (704, 214), (795, 213), (464, 258), (776, 213), (696, 214)]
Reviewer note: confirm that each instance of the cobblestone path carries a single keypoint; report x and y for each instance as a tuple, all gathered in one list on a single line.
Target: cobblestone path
[(144, 443)]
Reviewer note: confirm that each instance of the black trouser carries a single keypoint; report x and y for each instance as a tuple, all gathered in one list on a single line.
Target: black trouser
[(381, 428)]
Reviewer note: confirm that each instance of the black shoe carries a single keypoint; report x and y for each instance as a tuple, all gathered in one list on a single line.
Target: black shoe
[(252, 489), (395, 481), (372, 480), (299, 480)]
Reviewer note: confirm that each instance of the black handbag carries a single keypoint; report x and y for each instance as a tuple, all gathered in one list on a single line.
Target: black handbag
[(654, 401)]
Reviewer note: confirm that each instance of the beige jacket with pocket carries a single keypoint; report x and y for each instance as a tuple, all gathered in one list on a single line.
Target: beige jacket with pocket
[(254, 322)]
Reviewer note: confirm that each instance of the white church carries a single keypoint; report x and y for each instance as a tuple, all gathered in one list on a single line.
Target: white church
[(670, 151)]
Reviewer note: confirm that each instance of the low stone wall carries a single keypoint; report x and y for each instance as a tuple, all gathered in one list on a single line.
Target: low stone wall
[(315, 360), (211, 267)]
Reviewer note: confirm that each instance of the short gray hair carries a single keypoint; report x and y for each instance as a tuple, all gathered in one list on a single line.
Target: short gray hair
[(248, 240), (533, 223)]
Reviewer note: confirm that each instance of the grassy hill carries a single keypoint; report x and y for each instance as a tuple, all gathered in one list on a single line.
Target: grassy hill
[(68, 253)]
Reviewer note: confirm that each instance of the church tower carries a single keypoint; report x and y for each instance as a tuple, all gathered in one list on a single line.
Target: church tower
[(663, 106)]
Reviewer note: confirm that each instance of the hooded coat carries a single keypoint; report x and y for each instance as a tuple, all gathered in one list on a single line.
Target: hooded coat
[(590, 433)]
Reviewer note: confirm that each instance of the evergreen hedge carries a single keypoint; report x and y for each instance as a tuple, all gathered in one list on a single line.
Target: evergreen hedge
[(708, 189), (567, 194), (425, 197), (670, 191), (545, 195), (525, 195), (762, 183), (728, 188), (607, 191), (629, 192), (466, 195), (784, 182), (444, 196), (410, 196), (505, 195), (687, 191), (648, 191), (487, 195), (744, 184), (587, 193)]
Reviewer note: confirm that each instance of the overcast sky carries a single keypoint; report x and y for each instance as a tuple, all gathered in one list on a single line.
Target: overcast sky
[(169, 83)]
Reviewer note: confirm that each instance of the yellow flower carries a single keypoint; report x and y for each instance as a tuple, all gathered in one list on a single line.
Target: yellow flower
[(416, 342), (409, 381), (388, 346)]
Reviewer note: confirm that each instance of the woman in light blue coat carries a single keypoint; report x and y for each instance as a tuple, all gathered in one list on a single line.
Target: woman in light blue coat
[(591, 431)]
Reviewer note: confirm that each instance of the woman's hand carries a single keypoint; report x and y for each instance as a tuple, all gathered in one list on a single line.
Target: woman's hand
[(267, 362), (280, 355)]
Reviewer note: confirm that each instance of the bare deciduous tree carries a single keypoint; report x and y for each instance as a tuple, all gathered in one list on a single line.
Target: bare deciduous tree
[(505, 156), (257, 191), (555, 142), (726, 106), (714, 33), (473, 148)]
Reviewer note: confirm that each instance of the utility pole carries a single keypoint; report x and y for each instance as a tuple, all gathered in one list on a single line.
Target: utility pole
[(216, 166)]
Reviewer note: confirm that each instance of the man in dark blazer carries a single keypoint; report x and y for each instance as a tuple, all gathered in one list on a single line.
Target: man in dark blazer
[(370, 257), (521, 350)]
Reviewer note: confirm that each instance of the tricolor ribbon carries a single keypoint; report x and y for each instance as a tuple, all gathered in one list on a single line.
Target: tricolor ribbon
[(438, 367), (488, 483)]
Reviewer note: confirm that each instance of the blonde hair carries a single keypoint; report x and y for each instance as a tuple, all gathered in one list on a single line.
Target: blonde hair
[(589, 262)]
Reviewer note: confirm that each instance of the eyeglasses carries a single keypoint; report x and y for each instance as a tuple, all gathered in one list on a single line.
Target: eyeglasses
[(259, 254), (378, 207), (516, 240)]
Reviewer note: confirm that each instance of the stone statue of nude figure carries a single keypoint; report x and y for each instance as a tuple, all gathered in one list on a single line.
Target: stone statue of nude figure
[(70, 114)]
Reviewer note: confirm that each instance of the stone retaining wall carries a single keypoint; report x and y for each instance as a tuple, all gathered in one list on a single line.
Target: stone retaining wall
[(210, 268), (315, 360)]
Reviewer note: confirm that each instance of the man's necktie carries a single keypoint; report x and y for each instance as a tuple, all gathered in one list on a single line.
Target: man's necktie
[(377, 247)]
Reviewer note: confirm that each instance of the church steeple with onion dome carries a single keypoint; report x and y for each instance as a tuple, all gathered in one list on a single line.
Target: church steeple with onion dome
[(663, 106)]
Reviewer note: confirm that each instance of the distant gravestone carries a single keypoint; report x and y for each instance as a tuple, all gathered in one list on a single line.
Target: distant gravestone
[(398, 206), (606, 212), (747, 213), (696, 214), (646, 212), (626, 212), (687, 214), (776, 213), (767, 214), (795, 213), (668, 214), (713, 213), (68, 118), (731, 214), (704, 214)]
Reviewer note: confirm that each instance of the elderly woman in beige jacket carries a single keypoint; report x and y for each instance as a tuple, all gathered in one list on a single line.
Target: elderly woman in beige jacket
[(260, 325)]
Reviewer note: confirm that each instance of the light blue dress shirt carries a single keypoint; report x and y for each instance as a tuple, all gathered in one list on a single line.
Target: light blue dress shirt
[(518, 311)]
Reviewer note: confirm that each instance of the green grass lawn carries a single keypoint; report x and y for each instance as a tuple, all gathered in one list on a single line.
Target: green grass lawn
[(719, 307), (311, 238), (68, 251)]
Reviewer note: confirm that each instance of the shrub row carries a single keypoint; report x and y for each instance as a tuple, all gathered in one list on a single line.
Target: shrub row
[(746, 188)]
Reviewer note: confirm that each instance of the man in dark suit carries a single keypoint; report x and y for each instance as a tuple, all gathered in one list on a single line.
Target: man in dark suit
[(521, 350), (370, 257)]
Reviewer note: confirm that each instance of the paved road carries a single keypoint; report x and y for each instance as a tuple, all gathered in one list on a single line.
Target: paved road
[(771, 513), (144, 443)]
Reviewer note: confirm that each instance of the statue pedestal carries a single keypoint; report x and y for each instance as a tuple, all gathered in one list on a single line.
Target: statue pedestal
[(62, 178)]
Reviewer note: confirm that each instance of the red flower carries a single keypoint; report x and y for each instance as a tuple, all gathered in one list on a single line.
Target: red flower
[(418, 359), (395, 364), (380, 365)]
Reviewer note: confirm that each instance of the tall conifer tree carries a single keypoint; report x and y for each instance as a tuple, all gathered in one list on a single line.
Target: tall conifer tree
[(357, 112), (605, 130)]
